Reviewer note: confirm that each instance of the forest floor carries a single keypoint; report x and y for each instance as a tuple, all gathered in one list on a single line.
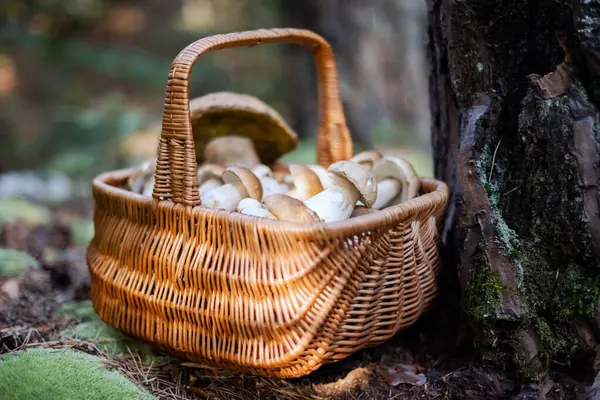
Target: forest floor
[(46, 305)]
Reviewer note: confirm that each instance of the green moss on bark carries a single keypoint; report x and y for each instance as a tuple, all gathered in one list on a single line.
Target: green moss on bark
[(481, 299)]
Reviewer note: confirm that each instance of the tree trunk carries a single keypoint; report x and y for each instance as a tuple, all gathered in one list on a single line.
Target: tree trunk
[(515, 92)]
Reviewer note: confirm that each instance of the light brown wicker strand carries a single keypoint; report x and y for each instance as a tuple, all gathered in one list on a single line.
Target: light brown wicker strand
[(176, 177)]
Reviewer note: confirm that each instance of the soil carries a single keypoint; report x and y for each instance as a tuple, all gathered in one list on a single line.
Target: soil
[(433, 347)]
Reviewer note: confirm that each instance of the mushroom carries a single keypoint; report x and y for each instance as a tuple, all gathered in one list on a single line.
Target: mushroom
[(254, 207), (367, 158), (267, 181), (231, 150), (306, 182), (286, 208), (322, 174), (227, 114), (239, 182), (280, 172), (248, 202), (351, 182), (362, 210), (397, 181), (209, 177), (141, 181)]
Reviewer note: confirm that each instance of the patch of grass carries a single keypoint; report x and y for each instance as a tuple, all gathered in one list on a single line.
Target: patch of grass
[(78, 309), (13, 263), (12, 209), (62, 374), (82, 230), (108, 339)]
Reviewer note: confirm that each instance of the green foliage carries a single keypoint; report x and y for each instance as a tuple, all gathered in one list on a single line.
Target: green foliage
[(82, 230), (78, 309), (93, 329), (62, 374), (17, 209), (13, 263)]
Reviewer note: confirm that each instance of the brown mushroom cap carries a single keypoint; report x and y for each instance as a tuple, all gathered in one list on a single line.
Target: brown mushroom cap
[(306, 181), (244, 179), (367, 158), (286, 208), (360, 177), (227, 113), (209, 171), (401, 170)]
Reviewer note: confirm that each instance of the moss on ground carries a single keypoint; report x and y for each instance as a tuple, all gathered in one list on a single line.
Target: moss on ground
[(14, 262), (83, 310), (12, 209), (93, 329), (62, 374)]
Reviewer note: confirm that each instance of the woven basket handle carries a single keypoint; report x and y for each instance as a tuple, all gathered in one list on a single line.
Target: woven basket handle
[(176, 177)]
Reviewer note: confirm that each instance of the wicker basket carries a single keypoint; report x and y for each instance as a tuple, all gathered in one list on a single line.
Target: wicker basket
[(273, 298)]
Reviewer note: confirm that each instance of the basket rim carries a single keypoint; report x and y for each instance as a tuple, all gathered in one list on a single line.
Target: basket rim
[(430, 203)]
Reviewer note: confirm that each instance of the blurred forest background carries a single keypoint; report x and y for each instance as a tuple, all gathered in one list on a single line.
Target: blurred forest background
[(82, 81)]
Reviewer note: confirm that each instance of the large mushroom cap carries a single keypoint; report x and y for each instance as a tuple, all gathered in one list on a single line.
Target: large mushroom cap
[(286, 208), (227, 113), (243, 177), (362, 179), (401, 170)]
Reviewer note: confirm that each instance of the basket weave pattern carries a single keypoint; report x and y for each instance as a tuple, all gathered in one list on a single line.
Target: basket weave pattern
[(267, 297)]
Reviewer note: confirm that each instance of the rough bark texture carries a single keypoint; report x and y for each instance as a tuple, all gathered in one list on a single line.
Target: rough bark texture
[(515, 91)]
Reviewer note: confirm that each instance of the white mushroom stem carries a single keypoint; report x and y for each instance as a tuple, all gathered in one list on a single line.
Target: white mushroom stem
[(248, 202), (226, 196), (336, 202), (209, 185), (322, 174), (258, 212), (387, 190), (270, 186), (262, 171), (148, 187)]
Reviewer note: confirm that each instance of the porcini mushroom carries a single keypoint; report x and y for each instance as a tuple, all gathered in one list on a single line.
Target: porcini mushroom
[(367, 158), (351, 182), (397, 181), (322, 174), (141, 181), (240, 183), (267, 181), (362, 210), (209, 177), (254, 207), (306, 182), (286, 208), (231, 150), (223, 114)]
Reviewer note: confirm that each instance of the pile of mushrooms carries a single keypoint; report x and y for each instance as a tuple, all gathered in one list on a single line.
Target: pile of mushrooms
[(236, 181), (238, 137)]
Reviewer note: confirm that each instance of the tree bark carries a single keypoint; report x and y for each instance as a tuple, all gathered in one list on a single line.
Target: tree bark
[(515, 92)]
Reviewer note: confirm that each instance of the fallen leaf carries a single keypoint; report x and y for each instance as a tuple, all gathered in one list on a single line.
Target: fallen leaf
[(401, 373)]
